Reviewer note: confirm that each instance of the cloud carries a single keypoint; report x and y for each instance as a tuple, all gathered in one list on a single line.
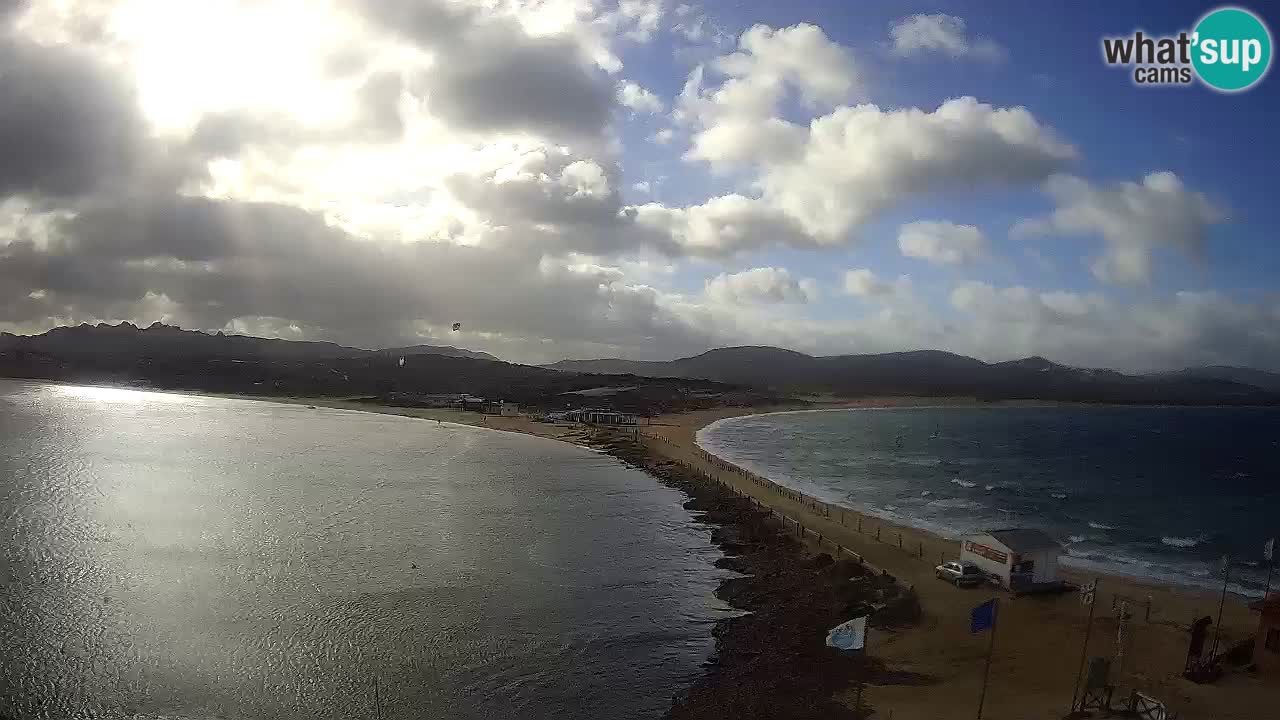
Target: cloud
[(490, 74), (644, 17), (719, 226), (941, 242), (938, 33), (1134, 219), (861, 282), (640, 99), (767, 64), (854, 162), (761, 285), (1186, 329), (69, 125), (662, 137), (215, 263)]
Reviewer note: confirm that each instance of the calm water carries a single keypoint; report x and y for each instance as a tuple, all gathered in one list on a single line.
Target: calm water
[(1157, 492), (193, 557)]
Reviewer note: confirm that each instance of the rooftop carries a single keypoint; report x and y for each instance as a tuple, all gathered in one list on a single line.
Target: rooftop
[(1025, 539)]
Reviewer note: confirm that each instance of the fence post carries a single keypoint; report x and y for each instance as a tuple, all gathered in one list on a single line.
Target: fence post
[(859, 523), (899, 539), (922, 550), (877, 534)]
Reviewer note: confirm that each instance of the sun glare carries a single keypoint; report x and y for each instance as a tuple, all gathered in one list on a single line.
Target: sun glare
[(115, 395), (192, 58)]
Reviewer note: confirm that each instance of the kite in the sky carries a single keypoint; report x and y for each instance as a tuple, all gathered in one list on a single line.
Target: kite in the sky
[(457, 327)]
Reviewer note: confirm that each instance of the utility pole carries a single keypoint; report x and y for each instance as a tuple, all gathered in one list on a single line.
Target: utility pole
[(991, 645), (1217, 628), (1087, 594)]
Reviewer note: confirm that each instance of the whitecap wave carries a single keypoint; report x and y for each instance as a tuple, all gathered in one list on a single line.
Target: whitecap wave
[(1182, 542), (1077, 538), (954, 504), (964, 483), (926, 493), (1101, 526), (1058, 496)]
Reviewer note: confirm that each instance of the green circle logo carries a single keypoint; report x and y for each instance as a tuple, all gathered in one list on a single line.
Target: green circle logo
[(1231, 49)]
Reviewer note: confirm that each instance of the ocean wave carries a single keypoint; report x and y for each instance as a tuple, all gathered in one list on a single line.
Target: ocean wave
[(964, 483), (1101, 526), (926, 493), (1077, 538), (1058, 496), (954, 504), (1182, 542)]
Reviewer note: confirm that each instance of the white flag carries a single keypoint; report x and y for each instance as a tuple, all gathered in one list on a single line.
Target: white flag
[(851, 635), (1269, 550)]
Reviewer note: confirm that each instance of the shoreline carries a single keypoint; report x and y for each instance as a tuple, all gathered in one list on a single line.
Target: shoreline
[(1068, 563), (1034, 663)]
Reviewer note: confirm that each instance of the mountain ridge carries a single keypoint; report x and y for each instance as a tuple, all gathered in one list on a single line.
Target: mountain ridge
[(164, 355), (938, 372)]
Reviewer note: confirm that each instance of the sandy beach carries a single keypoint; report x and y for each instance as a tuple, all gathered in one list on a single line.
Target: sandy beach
[(1038, 646)]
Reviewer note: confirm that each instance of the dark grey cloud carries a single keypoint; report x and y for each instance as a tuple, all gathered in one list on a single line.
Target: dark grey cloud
[(67, 125), (214, 262), (490, 75)]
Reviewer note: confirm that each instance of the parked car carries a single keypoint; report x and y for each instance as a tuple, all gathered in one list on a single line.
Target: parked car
[(960, 574)]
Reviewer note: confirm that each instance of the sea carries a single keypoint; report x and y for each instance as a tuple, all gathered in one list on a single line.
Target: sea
[(169, 556), (1161, 493)]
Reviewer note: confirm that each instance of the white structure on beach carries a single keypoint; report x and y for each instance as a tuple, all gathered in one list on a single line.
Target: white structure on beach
[(1019, 558)]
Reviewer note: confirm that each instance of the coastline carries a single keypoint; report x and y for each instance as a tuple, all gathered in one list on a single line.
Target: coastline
[(1035, 660), (1036, 655)]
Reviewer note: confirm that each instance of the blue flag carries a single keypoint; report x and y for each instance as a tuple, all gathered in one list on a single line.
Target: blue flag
[(983, 617)]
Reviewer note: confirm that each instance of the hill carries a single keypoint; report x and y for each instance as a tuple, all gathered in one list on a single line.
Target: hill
[(166, 357), (1258, 378), (943, 374)]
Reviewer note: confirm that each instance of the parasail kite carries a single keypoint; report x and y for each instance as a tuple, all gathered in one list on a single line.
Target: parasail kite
[(457, 327)]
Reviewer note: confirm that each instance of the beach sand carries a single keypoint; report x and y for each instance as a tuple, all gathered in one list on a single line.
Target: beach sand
[(1038, 645)]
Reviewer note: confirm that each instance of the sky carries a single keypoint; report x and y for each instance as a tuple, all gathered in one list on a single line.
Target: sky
[(644, 179)]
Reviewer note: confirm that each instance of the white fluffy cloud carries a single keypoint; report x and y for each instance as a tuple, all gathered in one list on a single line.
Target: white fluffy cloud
[(761, 285), (939, 33), (861, 282), (942, 242), (639, 98), (1133, 219), (1187, 329)]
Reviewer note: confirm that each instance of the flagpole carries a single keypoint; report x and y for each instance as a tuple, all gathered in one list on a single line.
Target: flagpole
[(1226, 576), (986, 674), (1269, 554), (1084, 647)]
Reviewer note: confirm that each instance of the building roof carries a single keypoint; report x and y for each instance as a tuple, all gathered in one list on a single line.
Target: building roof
[(1025, 539)]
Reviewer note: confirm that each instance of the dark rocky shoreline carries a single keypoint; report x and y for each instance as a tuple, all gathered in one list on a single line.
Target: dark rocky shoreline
[(772, 661)]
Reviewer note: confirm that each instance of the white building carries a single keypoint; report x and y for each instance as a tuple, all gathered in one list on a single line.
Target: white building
[(1020, 558)]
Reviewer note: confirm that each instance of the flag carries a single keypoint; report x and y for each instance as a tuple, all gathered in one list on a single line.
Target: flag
[(983, 617), (1269, 550), (851, 635)]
